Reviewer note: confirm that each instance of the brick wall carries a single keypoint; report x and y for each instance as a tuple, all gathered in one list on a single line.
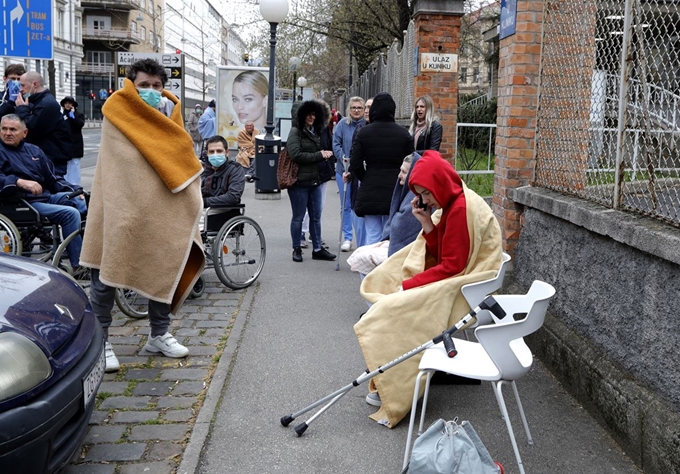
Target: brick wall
[(518, 72), (439, 33)]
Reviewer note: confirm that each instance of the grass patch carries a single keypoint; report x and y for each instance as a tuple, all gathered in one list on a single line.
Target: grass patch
[(473, 160)]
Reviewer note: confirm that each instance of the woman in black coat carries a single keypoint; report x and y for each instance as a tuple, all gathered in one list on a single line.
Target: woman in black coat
[(377, 153), (304, 148), (425, 128)]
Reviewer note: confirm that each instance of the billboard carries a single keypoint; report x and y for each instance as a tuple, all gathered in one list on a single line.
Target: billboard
[(241, 97)]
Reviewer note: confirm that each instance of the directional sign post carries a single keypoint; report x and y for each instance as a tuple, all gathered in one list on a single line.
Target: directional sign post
[(173, 64), (27, 29)]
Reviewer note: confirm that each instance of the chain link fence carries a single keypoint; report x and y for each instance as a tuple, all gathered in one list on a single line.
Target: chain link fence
[(390, 72), (608, 126)]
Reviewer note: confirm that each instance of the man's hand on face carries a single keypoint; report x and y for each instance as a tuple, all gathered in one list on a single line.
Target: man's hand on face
[(32, 187), (20, 100)]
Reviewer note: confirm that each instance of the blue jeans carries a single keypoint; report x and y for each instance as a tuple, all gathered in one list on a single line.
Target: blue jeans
[(65, 213), (306, 198), (348, 216), (374, 228)]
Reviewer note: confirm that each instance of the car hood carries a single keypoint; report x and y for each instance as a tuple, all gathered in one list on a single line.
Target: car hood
[(39, 302)]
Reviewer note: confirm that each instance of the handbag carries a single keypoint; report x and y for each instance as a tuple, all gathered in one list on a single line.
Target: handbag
[(449, 448), (287, 172)]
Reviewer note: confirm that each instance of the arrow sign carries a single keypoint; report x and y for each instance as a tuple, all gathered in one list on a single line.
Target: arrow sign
[(175, 72), (17, 14), (175, 59), (175, 85)]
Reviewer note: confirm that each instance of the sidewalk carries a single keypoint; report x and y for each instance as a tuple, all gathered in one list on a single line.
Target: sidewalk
[(288, 340)]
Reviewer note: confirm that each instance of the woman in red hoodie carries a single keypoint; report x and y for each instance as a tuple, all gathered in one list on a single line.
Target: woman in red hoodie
[(434, 182)]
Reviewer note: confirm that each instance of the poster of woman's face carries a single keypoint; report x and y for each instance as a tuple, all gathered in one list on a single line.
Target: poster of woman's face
[(241, 98)]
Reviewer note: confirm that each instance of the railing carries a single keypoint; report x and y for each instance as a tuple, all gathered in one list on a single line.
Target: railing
[(482, 99), (113, 3), (96, 68), (474, 160), (125, 34)]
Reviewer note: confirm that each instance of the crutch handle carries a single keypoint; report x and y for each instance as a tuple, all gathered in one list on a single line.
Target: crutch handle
[(449, 346)]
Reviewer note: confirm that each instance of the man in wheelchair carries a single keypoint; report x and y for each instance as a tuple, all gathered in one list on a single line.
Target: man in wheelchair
[(27, 173), (222, 182)]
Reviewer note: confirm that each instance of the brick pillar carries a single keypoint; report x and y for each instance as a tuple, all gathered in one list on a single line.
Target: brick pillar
[(437, 32), (518, 68)]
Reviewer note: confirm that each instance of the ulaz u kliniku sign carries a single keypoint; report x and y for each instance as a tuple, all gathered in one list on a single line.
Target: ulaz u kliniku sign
[(434, 62)]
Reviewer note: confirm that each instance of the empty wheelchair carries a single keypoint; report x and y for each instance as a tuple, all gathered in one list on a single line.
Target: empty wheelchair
[(234, 246)]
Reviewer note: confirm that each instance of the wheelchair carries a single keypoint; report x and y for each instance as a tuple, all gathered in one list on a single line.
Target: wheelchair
[(23, 231), (234, 246)]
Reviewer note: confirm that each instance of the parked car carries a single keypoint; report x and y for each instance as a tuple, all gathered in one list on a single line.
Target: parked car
[(51, 365)]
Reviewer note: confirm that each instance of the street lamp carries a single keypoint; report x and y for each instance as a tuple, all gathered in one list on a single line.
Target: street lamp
[(302, 82), (273, 12), (293, 65)]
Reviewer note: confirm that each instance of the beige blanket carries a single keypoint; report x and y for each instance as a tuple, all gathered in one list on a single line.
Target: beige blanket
[(400, 321), (140, 233)]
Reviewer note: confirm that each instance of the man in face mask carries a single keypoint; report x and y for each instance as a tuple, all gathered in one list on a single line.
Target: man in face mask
[(142, 229), (13, 73), (223, 180)]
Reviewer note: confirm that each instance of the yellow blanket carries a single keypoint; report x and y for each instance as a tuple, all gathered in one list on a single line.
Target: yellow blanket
[(142, 225), (400, 321), (246, 147)]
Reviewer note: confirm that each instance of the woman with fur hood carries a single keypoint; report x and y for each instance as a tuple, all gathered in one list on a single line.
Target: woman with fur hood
[(304, 148)]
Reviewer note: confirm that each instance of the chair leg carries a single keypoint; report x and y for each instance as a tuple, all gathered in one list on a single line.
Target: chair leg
[(426, 396), (412, 420), (498, 390), (521, 414)]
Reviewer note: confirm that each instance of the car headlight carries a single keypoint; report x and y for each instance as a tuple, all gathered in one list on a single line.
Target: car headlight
[(22, 365)]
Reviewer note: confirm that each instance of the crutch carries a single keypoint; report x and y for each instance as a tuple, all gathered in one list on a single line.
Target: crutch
[(345, 162), (488, 304)]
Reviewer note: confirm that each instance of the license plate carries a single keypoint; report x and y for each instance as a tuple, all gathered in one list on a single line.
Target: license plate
[(91, 381)]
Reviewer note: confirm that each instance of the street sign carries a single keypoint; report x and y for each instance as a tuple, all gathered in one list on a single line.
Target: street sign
[(172, 63), (27, 29)]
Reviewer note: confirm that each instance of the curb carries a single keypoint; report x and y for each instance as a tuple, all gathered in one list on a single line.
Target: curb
[(201, 429)]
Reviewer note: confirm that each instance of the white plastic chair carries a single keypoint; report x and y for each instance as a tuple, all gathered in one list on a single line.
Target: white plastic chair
[(500, 356)]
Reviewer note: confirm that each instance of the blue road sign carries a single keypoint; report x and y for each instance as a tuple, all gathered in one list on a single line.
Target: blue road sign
[(508, 18), (27, 29)]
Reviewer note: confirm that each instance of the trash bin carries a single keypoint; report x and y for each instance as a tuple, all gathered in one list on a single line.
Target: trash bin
[(266, 164)]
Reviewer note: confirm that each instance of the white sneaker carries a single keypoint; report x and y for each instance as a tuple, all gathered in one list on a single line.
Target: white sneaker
[(373, 399), (112, 364), (166, 344), (346, 245)]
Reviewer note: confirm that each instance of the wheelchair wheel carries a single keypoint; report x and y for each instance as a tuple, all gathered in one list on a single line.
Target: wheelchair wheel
[(131, 303), (238, 252), (60, 260), (10, 238), (198, 289)]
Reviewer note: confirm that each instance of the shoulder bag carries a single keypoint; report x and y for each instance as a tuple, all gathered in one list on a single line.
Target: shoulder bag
[(287, 172)]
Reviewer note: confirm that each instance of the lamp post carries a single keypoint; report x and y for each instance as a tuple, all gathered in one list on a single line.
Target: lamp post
[(302, 82), (293, 65), (266, 162)]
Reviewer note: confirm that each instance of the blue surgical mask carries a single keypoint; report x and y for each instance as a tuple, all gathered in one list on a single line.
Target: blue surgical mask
[(150, 96), (217, 160)]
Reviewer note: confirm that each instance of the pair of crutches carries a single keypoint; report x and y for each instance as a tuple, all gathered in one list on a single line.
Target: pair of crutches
[(488, 304), (345, 163)]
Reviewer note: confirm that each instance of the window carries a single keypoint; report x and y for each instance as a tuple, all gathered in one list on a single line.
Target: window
[(143, 33), (142, 4), (60, 24), (463, 75), (98, 57), (61, 74), (151, 9), (78, 38), (475, 75), (133, 26)]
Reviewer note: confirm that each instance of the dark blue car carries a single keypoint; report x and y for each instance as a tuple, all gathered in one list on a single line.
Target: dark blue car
[(51, 365)]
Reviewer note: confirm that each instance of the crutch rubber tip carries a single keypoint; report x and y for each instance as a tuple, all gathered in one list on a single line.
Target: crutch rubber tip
[(301, 428), (285, 420)]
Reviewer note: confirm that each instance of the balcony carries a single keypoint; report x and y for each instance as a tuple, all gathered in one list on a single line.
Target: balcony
[(125, 35), (111, 4), (96, 68)]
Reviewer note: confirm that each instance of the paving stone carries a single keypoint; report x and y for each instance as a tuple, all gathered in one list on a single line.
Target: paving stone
[(178, 415), (211, 324), (125, 349), (201, 303), (176, 402), (126, 402), (120, 331), (214, 332), (223, 317), (133, 360), (142, 374), (198, 316), (205, 340), (116, 323), (223, 303), (109, 377), (104, 434), (126, 340), (113, 387), (98, 417), (134, 416), (116, 452), (186, 332), (89, 469), (192, 308), (164, 450), (184, 374), (152, 388), (188, 388), (160, 432), (162, 467), (202, 350), (198, 361)]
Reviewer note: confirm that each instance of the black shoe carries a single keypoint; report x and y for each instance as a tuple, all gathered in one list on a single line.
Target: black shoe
[(322, 254), (297, 254)]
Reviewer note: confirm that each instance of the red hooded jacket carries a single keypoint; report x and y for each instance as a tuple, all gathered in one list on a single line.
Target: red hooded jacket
[(449, 242)]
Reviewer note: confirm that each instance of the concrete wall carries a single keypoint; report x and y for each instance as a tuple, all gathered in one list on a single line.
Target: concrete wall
[(613, 333)]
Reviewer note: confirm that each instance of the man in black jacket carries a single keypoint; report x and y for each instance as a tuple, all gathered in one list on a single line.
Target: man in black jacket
[(46, 126), (76, 122), (222, 181)]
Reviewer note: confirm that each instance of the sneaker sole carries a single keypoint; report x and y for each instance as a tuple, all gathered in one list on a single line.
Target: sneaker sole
[(372, 402), (156, 350)]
